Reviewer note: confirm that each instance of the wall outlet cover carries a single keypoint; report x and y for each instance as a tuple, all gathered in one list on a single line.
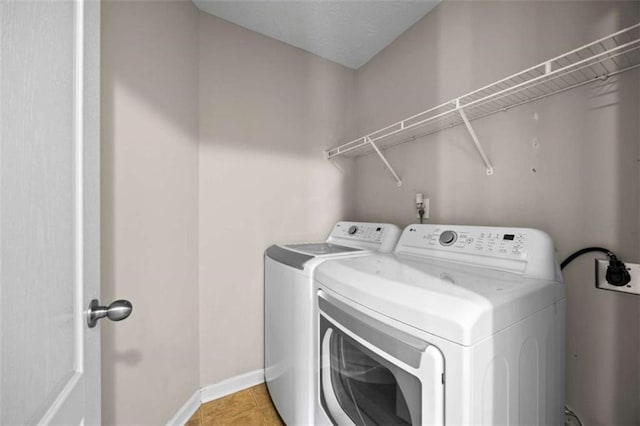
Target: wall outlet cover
[(426, 209), (634, 270)]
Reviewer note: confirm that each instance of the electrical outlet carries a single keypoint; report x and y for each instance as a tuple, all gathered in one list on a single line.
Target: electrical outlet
[(601, 282), (426, 209)]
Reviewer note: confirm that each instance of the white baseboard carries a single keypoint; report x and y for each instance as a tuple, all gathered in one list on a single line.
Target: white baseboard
[(229, 386), (215, 391), (188, 409)]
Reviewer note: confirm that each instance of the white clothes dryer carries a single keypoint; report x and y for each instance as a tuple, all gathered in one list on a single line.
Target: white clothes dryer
[(460, 325), (291, 310)]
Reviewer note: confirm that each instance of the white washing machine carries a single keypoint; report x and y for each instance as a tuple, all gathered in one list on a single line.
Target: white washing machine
[(460, 325), (291, 310)]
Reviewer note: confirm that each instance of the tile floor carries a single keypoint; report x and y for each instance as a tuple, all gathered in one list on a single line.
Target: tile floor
[(251, 406)]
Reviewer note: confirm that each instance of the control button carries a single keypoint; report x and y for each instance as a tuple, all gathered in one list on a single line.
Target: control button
[(469, 240), (448, 237), (352, 229)]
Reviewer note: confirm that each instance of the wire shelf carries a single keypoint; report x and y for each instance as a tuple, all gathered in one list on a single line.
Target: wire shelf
[(598, 60)]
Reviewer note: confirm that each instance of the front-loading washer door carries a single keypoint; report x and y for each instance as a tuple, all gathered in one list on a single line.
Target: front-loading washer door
[(373, 374)]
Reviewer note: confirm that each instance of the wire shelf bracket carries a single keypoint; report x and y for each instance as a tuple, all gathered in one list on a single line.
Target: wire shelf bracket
[(476, 142), (384, 160), (596, 61)]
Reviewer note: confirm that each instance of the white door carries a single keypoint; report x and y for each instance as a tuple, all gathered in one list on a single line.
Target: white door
[(49, 211)]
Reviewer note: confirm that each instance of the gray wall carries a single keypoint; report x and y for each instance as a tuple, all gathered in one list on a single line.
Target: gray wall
[(185, 224), (580, 184), (267, 112), (149, 208)]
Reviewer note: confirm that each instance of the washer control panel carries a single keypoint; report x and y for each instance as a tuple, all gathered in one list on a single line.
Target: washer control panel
[(509, 244), (522, 250), (377, 236), (363, 231)]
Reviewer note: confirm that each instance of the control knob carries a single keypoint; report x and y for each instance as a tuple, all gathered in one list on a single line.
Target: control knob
[(352, 230), (448, 237)]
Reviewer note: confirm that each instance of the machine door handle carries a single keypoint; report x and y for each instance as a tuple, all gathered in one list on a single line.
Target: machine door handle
[(117, 311)]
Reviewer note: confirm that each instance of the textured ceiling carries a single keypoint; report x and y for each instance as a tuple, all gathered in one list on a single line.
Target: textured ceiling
[(347, 32)]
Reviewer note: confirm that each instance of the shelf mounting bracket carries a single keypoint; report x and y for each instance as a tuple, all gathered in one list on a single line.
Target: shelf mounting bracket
[(474, 138), (384, 160)]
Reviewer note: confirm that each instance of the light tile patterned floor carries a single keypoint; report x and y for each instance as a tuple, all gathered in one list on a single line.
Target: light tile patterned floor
[(251, 406)]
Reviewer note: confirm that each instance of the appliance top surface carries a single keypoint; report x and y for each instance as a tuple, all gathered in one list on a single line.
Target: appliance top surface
[(449, 292), (345, 239), (351, 237), (320, 249)]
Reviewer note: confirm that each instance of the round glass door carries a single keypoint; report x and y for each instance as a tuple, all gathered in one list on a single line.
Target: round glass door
[(366, 387)]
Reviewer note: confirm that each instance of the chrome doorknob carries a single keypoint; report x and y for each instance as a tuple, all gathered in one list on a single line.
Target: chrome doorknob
[(117, 311)]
